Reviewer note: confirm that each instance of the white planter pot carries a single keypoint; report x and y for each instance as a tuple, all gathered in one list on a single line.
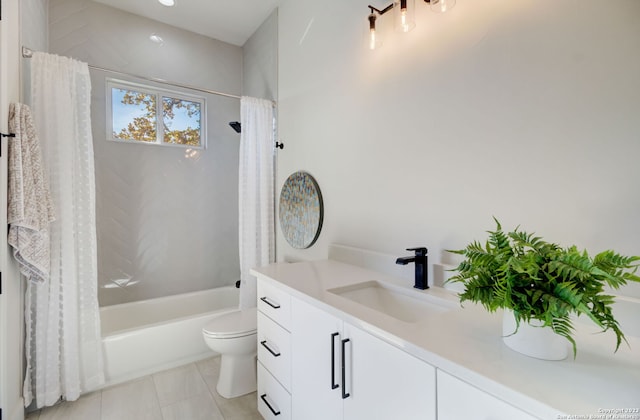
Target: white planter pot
[(532, 339)]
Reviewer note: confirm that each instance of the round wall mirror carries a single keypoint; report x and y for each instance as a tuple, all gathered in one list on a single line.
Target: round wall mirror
[(301, 210)]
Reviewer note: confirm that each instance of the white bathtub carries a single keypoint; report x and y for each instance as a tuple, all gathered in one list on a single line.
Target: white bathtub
[(140, 338)]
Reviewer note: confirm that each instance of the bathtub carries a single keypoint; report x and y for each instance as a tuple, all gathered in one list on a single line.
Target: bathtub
[(144, 337)]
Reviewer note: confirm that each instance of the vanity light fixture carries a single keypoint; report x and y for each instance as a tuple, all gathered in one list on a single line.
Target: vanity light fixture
[(374, 36), (404, 17), (168, 3)]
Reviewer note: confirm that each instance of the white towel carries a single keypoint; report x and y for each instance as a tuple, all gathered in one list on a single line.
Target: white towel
[(30, 210)]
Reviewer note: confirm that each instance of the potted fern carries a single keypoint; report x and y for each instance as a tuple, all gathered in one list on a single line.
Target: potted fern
[(542, 284)]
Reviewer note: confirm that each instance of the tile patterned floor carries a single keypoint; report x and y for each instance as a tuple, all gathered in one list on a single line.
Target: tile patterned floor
[(184, 393)]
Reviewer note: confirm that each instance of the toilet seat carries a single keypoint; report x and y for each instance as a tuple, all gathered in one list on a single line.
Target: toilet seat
[(240, 323)]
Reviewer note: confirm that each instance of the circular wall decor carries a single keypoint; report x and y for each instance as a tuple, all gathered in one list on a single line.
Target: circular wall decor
[(301, 210)]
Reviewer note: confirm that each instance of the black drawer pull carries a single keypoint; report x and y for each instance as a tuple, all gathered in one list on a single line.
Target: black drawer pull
[(264, 344), (264, 398), (345, 394), (334, 385), (265, 300)]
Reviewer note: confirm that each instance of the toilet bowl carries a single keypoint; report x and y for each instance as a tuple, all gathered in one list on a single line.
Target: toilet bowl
[(233, 335)]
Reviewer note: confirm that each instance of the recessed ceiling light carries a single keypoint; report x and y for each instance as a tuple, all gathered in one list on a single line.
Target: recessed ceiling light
[(157, 39), (167, 2)]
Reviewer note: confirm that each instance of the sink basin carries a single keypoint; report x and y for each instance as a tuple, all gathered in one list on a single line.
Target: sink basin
[(402, 304)]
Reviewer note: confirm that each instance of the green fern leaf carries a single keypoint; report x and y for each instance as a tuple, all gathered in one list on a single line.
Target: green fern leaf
[(541, 280)]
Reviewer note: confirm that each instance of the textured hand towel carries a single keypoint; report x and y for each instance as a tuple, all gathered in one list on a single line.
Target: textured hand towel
[(30, 210)]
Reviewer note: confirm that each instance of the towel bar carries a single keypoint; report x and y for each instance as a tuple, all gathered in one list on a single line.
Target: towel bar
[(6, 135)]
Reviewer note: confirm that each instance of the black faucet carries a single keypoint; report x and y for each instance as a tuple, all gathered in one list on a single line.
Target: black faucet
[(422, 272)]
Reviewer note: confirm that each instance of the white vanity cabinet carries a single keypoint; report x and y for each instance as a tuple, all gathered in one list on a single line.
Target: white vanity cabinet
[(459, 400), (339, 371), (318, 316), (274, 353)]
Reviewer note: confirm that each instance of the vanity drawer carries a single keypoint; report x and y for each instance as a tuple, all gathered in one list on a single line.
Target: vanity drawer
[(274, 402), (274, 349), (274, 303)]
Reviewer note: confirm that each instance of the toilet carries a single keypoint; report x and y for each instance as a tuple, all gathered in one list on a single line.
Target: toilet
[(233, 335)]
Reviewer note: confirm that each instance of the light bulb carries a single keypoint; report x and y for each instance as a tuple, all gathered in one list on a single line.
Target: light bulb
[(403, 19), (167, 2), (404, 11), (373, 38)]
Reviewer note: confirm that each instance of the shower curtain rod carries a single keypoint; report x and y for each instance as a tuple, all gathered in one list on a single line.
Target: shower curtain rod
[(28, 53)]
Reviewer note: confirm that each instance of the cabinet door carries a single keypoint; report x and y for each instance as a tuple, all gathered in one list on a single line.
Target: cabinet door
[(315, 361), (384, 382), (459, 400)]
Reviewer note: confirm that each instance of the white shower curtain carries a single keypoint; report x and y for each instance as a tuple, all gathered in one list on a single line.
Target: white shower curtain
[(256, 200), (63, 343)]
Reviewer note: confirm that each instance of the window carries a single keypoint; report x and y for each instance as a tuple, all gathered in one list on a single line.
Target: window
[(150, 115)]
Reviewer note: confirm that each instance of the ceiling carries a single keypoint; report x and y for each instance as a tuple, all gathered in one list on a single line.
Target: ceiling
[(232, 21)]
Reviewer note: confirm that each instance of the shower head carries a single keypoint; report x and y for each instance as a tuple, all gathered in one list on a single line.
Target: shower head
[(236, 126)]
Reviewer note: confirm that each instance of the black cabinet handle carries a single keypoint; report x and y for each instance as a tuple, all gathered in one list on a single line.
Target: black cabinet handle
[(345, 394), (265, 300), (334, 385), (264, 398), (264, 344)]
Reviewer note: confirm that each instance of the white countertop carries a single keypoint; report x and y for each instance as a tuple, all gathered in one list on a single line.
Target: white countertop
[(467, 343)]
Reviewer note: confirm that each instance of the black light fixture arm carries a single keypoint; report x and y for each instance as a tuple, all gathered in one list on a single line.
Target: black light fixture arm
[(386, 9), (380, 12)]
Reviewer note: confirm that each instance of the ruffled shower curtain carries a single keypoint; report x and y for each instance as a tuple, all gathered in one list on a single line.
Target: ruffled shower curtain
[(256, 193), (63, 344)]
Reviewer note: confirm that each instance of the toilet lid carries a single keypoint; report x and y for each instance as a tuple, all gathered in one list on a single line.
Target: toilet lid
[(234, 324)]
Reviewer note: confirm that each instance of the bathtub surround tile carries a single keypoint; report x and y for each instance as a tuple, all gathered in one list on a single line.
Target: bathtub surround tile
[(134, 400), (86, 407), (201, 407), (179, 384)]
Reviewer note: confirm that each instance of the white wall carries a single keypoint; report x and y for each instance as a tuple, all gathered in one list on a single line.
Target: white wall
[(260, 61), (524, 110), (34, 34), (11, 319), (167, 221)]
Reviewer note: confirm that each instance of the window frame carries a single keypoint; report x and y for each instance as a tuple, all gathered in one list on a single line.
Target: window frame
[(160, 94)]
